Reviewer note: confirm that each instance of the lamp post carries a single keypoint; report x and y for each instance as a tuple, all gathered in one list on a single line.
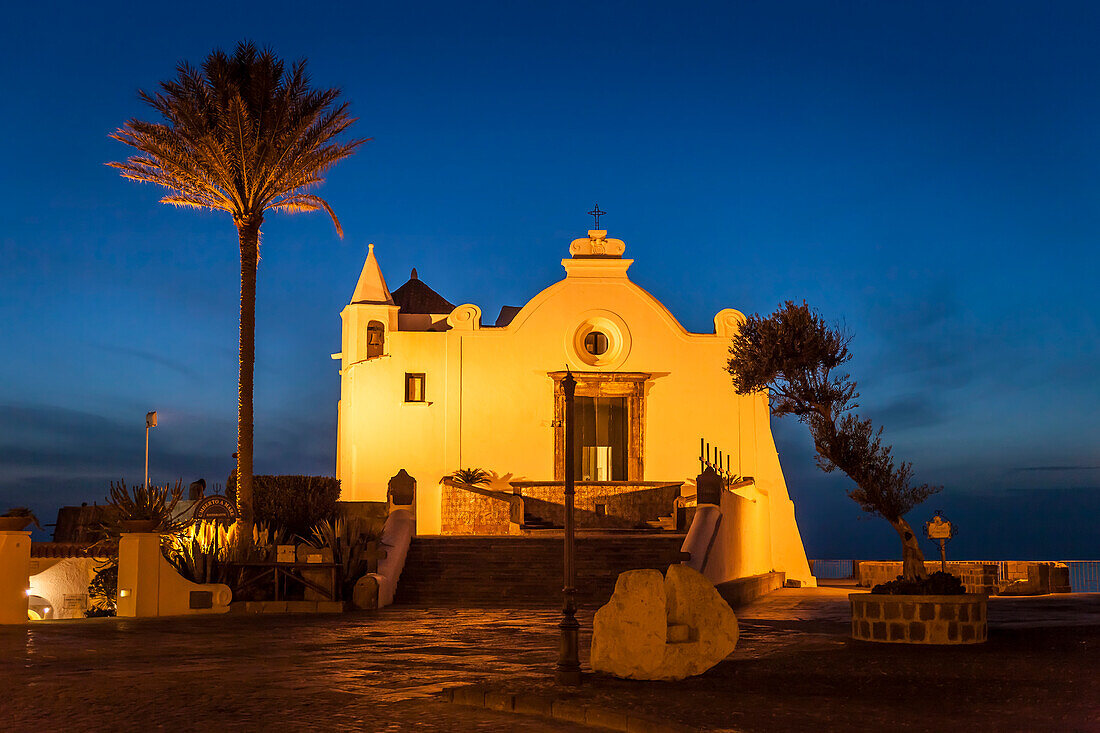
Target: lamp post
[(569, 664), (150, 422)]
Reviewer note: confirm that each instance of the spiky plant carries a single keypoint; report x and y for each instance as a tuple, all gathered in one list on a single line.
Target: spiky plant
[(471, 477), (23, 513), (354, 547), (243, 135), (152, 503)]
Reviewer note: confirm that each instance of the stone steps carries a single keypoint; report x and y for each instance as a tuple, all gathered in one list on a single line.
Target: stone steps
[(526, 571)]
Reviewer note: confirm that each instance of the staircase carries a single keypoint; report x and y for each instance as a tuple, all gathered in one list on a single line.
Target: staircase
[(526, 571)]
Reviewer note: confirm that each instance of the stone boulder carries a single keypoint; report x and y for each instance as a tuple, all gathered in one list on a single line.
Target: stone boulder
[(668, 628), (628, 634)]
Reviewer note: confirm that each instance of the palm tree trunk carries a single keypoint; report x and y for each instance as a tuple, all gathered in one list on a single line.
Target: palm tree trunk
[(912, 557), (248, 230)]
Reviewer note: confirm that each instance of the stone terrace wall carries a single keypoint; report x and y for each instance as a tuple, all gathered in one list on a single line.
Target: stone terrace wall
[(605, 504), (977, 577), (1039, 576), (468, 513)]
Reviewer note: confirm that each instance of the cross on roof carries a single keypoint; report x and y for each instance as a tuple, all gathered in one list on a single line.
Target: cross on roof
[(596, 213)]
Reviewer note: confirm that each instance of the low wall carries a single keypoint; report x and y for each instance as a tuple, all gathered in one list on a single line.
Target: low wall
[(606, 504), (919, 619), (64, 583), (991, 578), (743, 591), (469, 513)]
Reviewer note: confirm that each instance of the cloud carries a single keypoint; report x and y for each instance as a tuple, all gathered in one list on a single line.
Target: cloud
[(148, 356), (51, 455), (918, 410), (927, 338), (1057, 468)]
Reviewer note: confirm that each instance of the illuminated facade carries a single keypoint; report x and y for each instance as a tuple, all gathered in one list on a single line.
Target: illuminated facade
[(427, 387)]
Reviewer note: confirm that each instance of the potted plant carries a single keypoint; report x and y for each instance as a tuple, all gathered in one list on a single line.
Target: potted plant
[(17, 519), (793, 354)]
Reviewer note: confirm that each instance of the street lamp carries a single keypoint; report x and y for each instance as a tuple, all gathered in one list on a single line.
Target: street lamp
[(569, 664), (150, 422)]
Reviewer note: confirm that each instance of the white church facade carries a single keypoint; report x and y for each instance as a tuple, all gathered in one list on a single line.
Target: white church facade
[(428, 387)]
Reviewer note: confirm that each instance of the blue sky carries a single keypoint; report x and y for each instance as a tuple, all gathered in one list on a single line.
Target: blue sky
[(926, 173)]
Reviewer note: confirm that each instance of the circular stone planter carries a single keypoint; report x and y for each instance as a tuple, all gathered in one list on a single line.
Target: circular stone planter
[(919, 619)]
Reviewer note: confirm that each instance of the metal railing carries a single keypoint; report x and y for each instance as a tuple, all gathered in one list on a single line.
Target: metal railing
[(833, 569), (1084, 575)]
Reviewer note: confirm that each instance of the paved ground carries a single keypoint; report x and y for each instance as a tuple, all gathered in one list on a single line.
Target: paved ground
[(794, 669)]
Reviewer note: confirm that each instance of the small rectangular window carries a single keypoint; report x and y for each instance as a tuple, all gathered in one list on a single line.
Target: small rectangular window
[(414, 387)]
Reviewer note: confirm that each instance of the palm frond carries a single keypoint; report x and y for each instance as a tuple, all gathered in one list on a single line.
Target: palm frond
[(241, 133)]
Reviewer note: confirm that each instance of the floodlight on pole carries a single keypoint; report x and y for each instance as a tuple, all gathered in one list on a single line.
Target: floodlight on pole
[(150, 422)]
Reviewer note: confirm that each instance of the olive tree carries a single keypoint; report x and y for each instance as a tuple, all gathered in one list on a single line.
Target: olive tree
[(796, 357)]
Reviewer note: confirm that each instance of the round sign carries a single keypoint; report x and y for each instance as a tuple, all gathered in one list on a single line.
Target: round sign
[(215, 508)]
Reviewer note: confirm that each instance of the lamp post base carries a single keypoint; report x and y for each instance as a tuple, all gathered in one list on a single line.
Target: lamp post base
[(569, 665)]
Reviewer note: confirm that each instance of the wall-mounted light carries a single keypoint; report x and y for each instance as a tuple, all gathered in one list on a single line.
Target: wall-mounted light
[(124, 593)]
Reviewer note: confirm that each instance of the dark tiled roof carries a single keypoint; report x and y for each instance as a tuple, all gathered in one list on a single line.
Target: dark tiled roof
[(78, 523), (507, 313), (416, 297), (63, 550)]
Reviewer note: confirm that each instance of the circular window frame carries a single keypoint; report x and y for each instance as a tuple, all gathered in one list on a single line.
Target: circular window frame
[(611, 326)]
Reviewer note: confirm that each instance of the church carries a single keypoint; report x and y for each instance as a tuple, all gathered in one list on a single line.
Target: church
[(432, 387)]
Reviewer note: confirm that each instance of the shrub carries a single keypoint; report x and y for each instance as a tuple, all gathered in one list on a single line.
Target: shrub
[(938, 583), (103, 590), (291, 503)]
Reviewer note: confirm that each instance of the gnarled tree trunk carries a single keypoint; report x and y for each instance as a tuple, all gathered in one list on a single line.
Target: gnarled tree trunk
[(248, 228), (912, 557)]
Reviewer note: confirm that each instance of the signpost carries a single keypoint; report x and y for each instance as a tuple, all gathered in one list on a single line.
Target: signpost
[(940, 529)]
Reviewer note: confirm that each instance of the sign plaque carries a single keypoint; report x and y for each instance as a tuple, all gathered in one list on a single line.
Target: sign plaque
[(215, 508), (940, 529)]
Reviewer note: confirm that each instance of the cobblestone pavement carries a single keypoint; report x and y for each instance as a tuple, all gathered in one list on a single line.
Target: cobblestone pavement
[(794, 669), (357, 671)]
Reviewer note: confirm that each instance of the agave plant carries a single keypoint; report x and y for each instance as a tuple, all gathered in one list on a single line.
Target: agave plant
[(21, 512), (471, 477), (353, 544), (202, 553), (156, 504)]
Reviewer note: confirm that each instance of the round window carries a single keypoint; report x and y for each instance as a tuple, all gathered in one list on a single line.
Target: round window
[(595, 343), (600, 340)]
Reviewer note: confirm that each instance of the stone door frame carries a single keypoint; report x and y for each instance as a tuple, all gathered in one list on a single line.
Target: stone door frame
[(631, 385)]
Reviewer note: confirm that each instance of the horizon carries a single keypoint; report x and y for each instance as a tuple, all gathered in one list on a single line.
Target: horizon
[(927, 177)]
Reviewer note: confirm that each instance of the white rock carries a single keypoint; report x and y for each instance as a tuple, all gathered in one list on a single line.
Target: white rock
[(656, 628), (693, 601), (628, 634)]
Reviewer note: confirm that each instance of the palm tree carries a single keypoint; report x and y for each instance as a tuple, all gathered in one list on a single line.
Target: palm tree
[(244, 136)]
